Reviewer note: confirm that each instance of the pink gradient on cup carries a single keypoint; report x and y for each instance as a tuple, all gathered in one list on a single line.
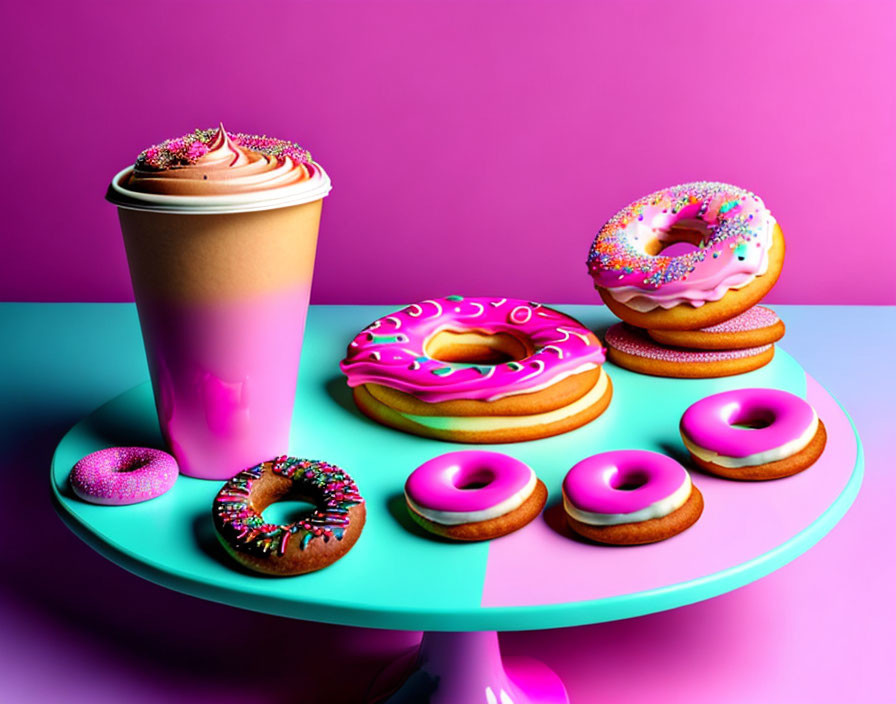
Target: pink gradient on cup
[(224, 376)]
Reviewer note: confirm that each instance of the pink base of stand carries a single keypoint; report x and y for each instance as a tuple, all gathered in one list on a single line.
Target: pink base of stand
[(466, 667)]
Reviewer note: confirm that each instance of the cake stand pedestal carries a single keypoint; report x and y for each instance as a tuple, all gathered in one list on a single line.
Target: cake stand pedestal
[(466, 667), (542, 576)]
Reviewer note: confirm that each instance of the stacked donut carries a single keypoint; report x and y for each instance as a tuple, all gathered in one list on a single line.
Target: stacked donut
[(478, 370), (685, 268)]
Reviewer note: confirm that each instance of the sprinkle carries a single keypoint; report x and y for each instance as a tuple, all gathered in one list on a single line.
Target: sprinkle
[(617, 258), (242, 525), (188, 149)]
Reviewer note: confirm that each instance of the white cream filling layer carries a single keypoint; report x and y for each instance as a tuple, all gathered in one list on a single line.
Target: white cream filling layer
[(658, 509), (480, 423), (778, 453), (587, 366), (456, 518)]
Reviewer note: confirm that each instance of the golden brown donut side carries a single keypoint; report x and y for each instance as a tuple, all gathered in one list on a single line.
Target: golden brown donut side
[(779, 469), (386, 415), (697, 339), (643, 532), (493, 527), (690, 370)]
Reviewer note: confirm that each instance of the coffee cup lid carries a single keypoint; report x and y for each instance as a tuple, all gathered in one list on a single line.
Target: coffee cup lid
[(307, 191)]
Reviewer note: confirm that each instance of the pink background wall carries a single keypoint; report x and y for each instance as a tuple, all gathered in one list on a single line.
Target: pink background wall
[(474, 146)]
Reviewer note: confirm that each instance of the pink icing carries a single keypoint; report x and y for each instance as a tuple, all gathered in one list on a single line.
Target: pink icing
[(755, 318), (593, 485), (437, 484), (710, 423), (390, 351), (734, 251), (123, 475), (632, 341)]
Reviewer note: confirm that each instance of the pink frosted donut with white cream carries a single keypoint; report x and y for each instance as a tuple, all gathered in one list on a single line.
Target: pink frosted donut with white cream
[(753, 433), (640, 260), (478, 370), (629, 497), (474, 494)]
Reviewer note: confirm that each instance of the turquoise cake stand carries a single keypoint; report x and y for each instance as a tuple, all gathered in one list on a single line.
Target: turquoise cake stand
[(399, 577)]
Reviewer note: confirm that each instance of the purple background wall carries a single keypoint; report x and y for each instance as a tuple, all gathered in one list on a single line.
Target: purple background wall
[(474, 146)]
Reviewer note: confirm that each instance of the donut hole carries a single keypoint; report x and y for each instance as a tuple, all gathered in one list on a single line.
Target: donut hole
[(628, 480), (476, 347), (477, 479), (131, 465), (751, 419), (287, 511), (683, 237)]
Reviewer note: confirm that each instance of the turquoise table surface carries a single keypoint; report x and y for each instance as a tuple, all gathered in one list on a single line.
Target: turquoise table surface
[(399, 578)]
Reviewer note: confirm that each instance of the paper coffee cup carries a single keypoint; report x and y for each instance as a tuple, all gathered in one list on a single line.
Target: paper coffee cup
[(222, 285)]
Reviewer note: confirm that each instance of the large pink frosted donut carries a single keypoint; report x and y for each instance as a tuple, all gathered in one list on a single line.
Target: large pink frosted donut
[(717, 428), (625, 486), (391, 351), (469, 486), (123, 475)]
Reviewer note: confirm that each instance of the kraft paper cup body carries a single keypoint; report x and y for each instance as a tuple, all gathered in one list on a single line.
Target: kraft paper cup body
[(222, 298)]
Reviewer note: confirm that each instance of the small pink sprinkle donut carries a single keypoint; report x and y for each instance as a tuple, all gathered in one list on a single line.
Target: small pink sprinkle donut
[(123, 475), (630, 497), (474, 495), (753, 434)]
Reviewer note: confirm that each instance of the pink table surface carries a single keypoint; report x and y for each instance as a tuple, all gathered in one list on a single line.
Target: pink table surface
[(77, 628)]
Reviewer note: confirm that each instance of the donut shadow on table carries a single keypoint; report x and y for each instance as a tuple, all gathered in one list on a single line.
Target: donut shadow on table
[(398, 508), (679, 454), (341, 394), (124, 426), (207, 540), (555, 518)]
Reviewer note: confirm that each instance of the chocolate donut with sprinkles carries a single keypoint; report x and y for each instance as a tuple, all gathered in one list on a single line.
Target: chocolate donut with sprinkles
[(478, 370), (687, 257), (310, 543)]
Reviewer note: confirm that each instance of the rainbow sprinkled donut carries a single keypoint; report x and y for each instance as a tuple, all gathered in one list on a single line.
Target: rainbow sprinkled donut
[(478, 370), (687, 257), (310, 543)]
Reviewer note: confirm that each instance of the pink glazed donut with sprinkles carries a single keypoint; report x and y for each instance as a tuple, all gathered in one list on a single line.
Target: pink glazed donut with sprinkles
[(630, 497), (687, 257), (474, 495), (478, 370), (753, 434), (119, 476)]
